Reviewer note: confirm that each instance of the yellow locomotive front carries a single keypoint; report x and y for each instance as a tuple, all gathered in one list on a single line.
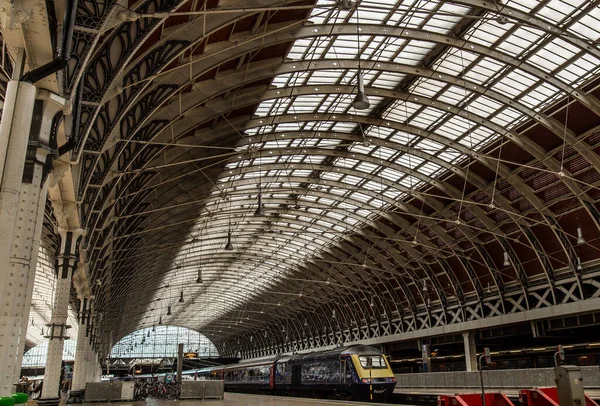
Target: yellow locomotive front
[(376, 381)]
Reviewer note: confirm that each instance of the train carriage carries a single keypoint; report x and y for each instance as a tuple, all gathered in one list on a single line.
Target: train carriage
[(357, 372)]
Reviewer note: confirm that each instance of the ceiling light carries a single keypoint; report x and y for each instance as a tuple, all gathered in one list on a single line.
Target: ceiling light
[(160, 320), (489, 289), (506, 259), (42, 332), (579, 267), (259, 211), (361, 101), (153, 328), (501, 19), (342, 4), (580, 239), (181, 300), (229, 246), (148, 333), (199, 279)]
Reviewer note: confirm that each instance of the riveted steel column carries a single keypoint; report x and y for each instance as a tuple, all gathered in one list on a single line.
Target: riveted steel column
[(34, 189), (89, 352), (79, 376), (179, 362), (14, 133), (470, 350), (57, 329)]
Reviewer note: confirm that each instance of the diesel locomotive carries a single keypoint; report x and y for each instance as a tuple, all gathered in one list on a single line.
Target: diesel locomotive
[(356, 372)]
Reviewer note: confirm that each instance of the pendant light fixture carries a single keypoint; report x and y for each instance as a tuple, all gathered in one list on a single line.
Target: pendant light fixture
[(199, 278), (160, 321), (42, 332), (181, 300), (229, 246), (169, 311), (579, 267), (148, 333), (580, 239), (153, 328), (506, 259), (259, 210), (361, 101)]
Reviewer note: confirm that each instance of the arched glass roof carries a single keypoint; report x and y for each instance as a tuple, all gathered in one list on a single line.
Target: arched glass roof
[(163, 342), (326, 171), (463, 191), (36, 356)]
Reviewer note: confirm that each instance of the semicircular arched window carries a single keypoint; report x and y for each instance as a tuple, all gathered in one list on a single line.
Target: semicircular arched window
[(162, 342), (36, 357)]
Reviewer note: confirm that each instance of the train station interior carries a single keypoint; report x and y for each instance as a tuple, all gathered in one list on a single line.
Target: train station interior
[(273, 202)]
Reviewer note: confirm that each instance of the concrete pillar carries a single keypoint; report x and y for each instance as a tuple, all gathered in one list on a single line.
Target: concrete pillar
[(67, 260), (14, 272), (470, 350)]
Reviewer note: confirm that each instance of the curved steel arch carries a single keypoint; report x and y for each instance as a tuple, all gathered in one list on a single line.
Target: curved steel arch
[(137, 213)]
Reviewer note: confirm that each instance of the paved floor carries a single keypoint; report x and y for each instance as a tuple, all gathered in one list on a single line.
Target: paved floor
[(239, 399)]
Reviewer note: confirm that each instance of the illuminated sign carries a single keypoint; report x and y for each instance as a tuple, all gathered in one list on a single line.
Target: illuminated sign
[(190, 355)]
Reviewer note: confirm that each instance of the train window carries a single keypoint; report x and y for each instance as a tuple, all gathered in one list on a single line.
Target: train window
[(373, 361)]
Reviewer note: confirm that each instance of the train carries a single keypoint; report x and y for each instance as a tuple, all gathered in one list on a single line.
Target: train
[(357, 372)]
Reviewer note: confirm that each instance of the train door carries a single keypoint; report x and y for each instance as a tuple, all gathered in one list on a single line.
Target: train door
[(296, 375), (343, 370), (272, 376)]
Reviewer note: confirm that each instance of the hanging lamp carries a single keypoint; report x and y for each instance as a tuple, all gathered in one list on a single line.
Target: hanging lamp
[(260, 212), (199, 279), (181, 300), (580, 239), (506, 259), (169, 311), (361, 101), (229, 246)]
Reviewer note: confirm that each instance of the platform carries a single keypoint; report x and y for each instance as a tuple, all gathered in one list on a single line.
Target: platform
[(236, 399)]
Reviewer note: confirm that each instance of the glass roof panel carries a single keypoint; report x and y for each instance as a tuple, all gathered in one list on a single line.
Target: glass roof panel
[(393, 120)]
